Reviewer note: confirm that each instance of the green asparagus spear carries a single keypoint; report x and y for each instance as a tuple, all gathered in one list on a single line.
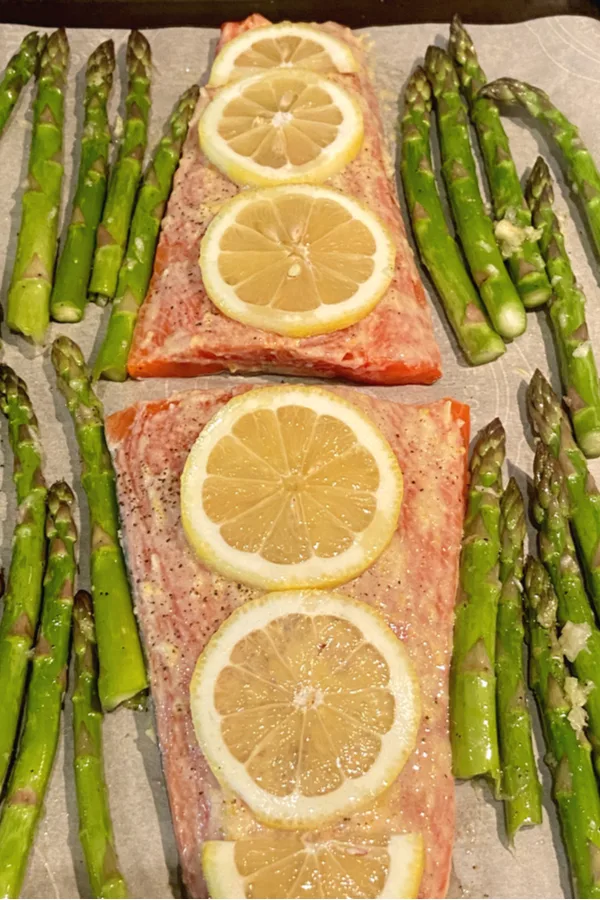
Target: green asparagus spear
[(580, 168), (574, 784), (21, 67), (567, 316), (551, 425), (116, 218), (41, 729), (95, 826), (69, 292), (122, 671), (557, 551), (29, 293), (473, 730), (24, 588), (136, 269), (521, 787), (473, 225), (438, 250), (513, 226)]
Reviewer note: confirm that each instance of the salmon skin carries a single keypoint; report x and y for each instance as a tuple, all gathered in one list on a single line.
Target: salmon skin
[(181, 333), (180, 604)]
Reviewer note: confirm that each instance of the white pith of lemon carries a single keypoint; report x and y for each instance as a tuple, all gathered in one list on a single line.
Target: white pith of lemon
[(284, 126), (290, 487), (285, 44), (306, 705), (297, 261), (287, 865)]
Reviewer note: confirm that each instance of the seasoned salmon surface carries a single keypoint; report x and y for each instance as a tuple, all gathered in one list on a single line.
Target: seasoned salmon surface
[(180, 603), (180, 332)]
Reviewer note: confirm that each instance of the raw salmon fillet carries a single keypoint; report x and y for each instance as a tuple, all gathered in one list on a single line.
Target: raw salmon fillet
[(180, 332), (180, 603)]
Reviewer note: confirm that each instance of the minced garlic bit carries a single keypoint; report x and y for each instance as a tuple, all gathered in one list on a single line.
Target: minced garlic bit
[(573, 639), (577, 694), (511, 237), (584, 347)]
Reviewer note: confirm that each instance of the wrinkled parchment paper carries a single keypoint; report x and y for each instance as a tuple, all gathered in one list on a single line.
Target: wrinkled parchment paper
[(560, 54)]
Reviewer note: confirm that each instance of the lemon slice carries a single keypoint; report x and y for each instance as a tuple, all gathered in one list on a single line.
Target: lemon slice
[(298, 261), (283, 45), (288, 125), (305, 705), (290, 487), (289, 865)]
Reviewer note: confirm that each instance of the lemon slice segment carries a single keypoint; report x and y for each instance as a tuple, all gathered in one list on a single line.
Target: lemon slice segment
[(286, 44), (305, 704), (290, 487), (287, 125), (297, 261), (290, 865)]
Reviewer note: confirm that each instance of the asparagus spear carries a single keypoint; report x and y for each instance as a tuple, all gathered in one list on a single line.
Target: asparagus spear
[(524, 260), (24, 588), (551, 425), (114, 227), (136, 269), (29, 293), (39, 738), (521, 787), (95, 826), (69, 293), (568, 757), (567, 315), (122, 671), (473, 225), (21, 67), (557, 551), (439, 253), (473, 729), (578, 163)]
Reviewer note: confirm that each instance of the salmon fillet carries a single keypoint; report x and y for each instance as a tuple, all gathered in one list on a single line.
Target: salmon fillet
[(180, 332), (180, 603)]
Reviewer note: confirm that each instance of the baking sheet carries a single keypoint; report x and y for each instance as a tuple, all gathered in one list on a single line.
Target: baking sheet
[(560, 54)]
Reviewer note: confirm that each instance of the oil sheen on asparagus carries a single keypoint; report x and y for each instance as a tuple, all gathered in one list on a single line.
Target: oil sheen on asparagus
[(473, 225), (473, 723), (513, 219), (122, 669), (439, 253), (576, 359)]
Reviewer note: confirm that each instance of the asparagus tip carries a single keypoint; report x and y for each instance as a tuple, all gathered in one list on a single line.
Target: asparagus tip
[(544, 409), (418, 90), (139, 55), (440, 70), (549, 484), (539, 593), (539, 184)]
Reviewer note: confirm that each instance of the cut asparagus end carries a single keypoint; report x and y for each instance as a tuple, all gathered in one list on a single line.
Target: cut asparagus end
[(590, 444), (536, 298), (511, 321), (112, 373), (493, 349), (66, 312), (28, 311)]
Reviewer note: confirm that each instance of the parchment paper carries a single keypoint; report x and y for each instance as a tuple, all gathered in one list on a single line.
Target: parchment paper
[(560, 54)]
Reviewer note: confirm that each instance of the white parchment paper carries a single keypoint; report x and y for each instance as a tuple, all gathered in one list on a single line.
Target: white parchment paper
[(560, 54)]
